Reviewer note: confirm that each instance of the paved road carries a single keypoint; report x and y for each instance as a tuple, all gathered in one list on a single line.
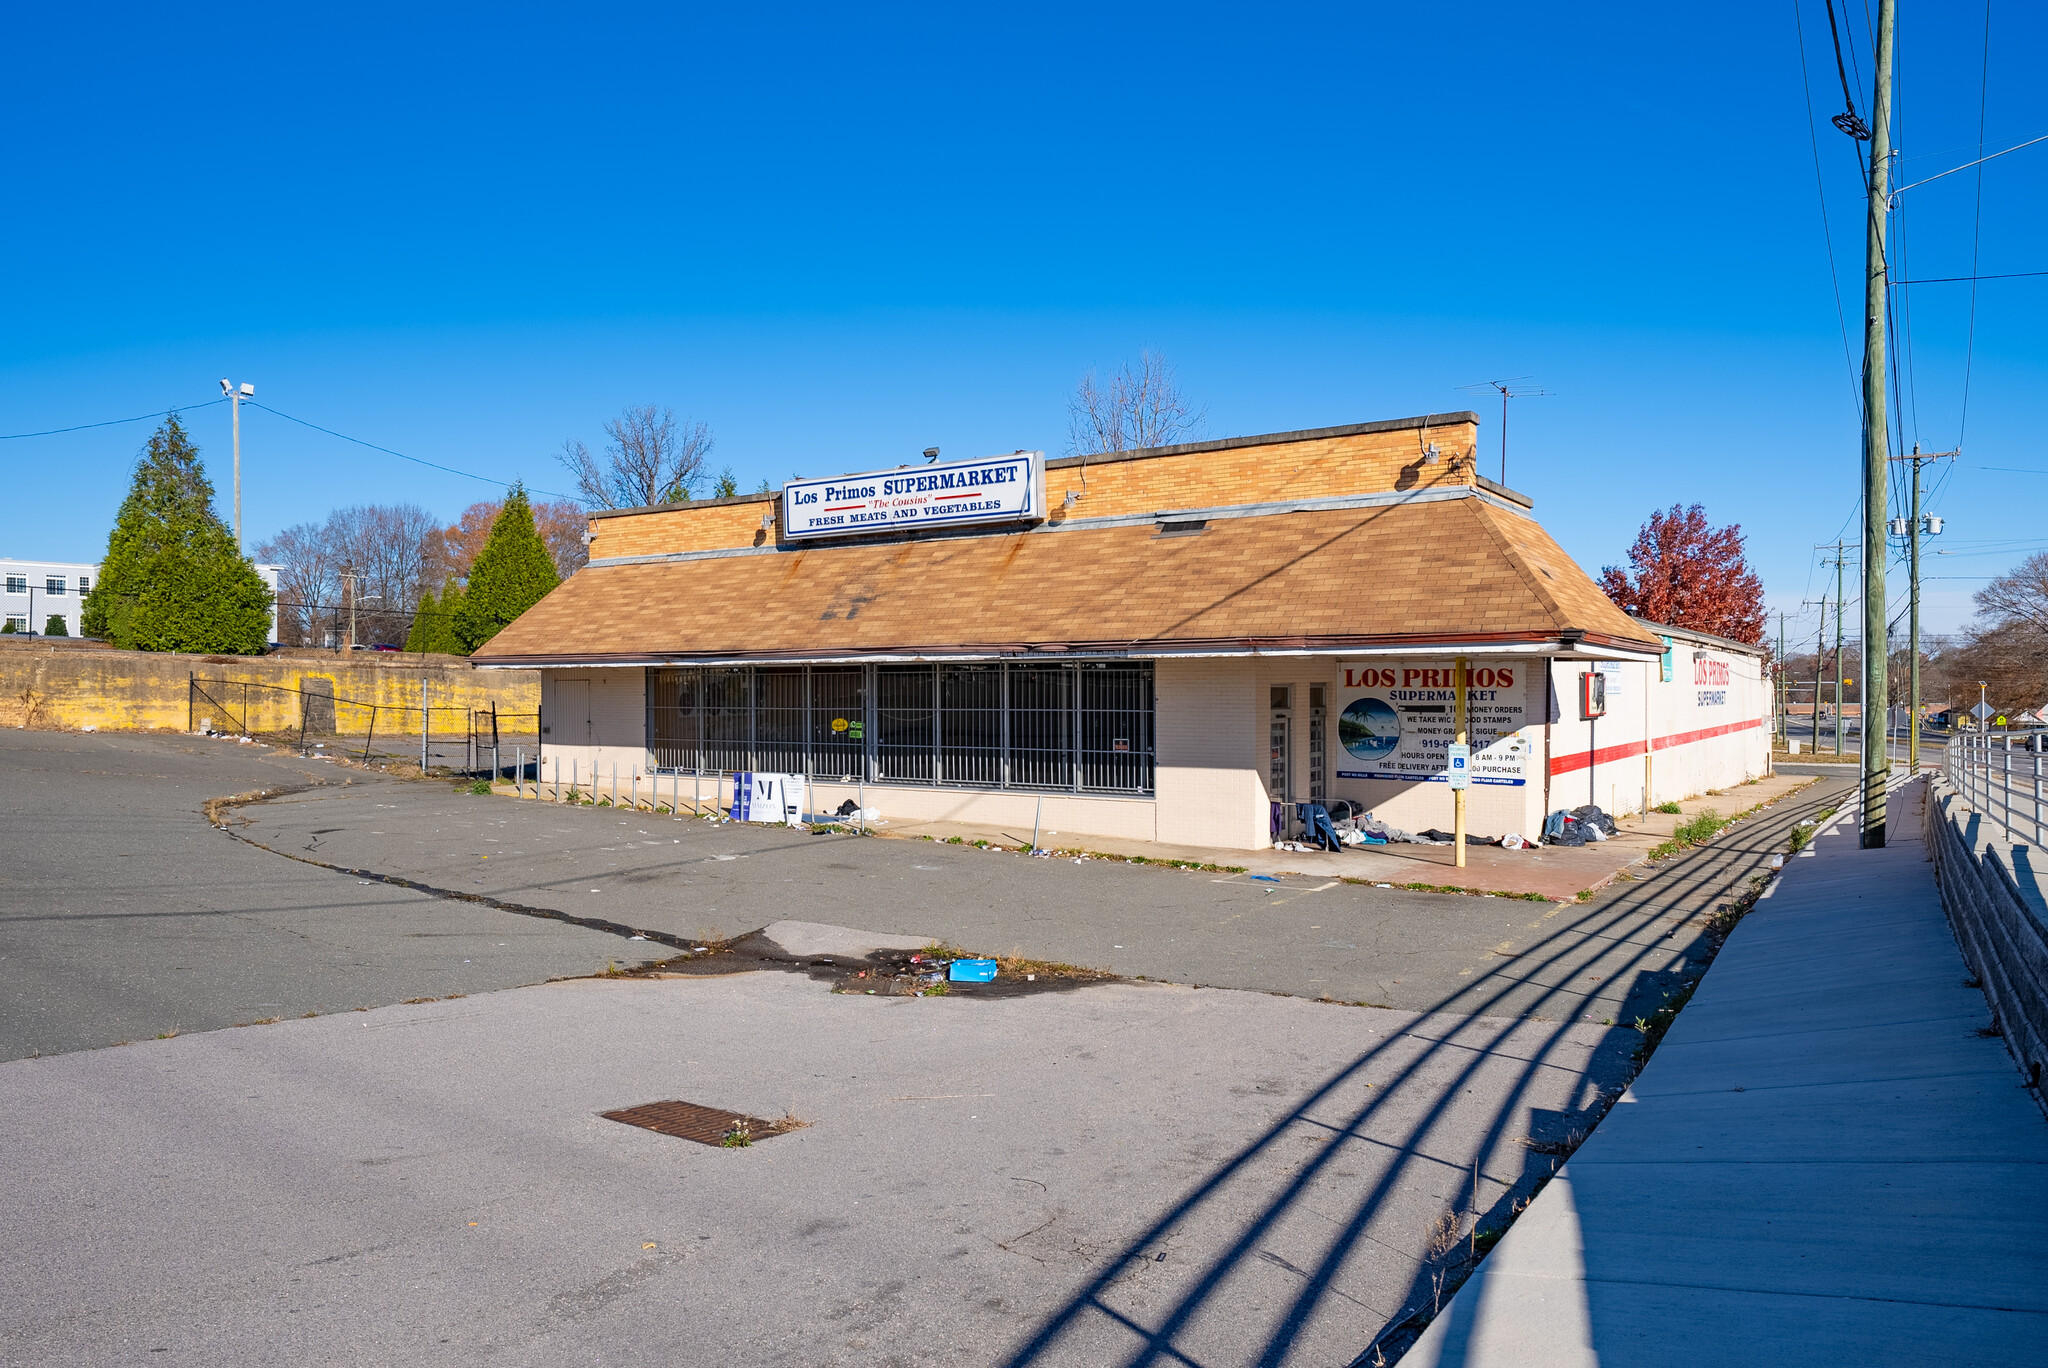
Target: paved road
[(123, 914), (1616, 956)]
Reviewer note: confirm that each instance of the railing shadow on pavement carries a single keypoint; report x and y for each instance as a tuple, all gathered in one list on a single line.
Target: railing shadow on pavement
[(1468, 1034)]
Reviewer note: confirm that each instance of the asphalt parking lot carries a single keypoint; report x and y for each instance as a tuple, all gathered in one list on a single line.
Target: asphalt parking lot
[(124, 915), (1615, 956), (1123, 1170)]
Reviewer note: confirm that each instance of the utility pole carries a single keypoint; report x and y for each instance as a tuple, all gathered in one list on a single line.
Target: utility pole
[(236, 394), (1912, 529), (351, 588), (1839, 714), (1838, 547), (1820, 648), (1876, 433), (1784, 690)]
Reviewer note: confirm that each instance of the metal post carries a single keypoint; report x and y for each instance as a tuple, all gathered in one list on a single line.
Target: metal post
[(497, 765), (1458, 724), (423, 726), (371, 734)]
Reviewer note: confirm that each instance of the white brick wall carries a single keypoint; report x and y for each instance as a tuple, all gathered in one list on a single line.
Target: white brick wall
[(1210, 737)]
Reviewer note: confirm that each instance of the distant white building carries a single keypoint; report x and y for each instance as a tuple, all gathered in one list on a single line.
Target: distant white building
[(32, 592)]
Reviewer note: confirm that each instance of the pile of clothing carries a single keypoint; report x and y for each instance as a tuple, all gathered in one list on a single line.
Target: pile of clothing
[(1578, 826)]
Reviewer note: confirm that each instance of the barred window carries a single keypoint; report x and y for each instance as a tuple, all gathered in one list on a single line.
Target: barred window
[(779, 720), (971, 725), (838, 721), (1042, 726), (1085, 727), (903, 722)]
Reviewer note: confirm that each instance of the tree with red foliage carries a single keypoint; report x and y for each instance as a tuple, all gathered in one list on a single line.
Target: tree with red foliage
[(1689, 574)]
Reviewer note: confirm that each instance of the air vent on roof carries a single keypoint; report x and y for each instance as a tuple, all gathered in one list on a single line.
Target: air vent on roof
[(1187, 527)]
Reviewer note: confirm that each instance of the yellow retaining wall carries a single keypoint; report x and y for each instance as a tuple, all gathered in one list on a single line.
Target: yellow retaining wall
[(71, 687)]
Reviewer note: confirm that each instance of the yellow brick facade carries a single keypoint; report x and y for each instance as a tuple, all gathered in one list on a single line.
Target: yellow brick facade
[(1253, 471)]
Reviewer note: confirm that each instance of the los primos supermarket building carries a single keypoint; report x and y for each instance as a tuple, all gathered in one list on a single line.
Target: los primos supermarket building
[(1171, 644)]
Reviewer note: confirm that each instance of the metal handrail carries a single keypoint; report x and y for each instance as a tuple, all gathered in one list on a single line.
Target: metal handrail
[(2001, 781)]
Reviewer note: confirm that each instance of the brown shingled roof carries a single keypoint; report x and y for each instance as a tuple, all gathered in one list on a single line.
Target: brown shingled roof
[(1461, 569)]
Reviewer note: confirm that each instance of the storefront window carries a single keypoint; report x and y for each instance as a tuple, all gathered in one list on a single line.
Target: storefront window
[(1080, 726)]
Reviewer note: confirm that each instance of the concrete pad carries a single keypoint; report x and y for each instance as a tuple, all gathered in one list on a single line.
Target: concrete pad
[(802, 940)]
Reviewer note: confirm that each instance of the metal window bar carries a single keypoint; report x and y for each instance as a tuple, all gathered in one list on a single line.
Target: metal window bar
[(971, 725), (905, 723), (1041, 726)]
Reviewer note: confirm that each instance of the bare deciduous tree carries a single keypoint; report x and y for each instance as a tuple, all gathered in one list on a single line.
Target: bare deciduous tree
[(392, 547), (1141, 407), (308, 579), (651, 459)]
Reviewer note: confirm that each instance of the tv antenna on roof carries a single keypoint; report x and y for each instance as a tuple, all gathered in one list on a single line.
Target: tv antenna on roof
[(1515, 388)]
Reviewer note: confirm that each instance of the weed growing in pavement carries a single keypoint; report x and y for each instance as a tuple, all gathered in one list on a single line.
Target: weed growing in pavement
[(1479, 892), (167, 1035), (1802, 836), (1440, 1236), (1699, 830), (1658, 1022), (738, 1137), (480, 787), (1671, 809)]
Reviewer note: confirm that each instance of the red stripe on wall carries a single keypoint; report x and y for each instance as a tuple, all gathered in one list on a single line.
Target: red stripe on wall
[(1565, 764), (1704, 733)]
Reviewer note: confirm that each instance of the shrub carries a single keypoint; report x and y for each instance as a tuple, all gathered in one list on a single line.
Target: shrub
[(55, 626), (1671, 808)]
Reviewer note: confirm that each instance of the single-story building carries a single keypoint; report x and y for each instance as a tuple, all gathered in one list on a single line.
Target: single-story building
[(1170, 644)]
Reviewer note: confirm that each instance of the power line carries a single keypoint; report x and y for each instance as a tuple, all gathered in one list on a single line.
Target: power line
[(1827, 232), (451, 470), (1976, 232), (1951, 280), (112, 422)]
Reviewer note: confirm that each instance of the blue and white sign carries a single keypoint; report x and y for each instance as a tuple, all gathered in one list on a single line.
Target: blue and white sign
[(1459, 770), (997, 489)]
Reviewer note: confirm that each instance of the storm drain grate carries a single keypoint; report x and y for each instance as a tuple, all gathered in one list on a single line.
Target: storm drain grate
[(688, 1121)]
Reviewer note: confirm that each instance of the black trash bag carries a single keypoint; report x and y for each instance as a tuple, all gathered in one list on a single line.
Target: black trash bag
[(847, 808), (1592, 816), (1562, 829)]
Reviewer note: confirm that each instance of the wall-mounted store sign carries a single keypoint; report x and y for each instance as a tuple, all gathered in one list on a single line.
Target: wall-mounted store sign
[(1395, 720), (998, 489)]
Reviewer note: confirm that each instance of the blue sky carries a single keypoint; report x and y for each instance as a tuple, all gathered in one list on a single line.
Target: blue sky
[(839, 237)]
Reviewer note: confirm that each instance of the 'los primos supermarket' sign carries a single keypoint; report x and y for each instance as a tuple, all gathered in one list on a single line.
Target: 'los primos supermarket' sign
[(1395, 721), (998, 489)]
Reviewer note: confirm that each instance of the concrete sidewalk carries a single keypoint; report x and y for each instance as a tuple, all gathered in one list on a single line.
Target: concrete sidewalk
[(1557, 872), (1824, 1163)]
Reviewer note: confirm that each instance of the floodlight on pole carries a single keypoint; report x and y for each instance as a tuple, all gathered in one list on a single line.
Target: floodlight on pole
[(235, 394)]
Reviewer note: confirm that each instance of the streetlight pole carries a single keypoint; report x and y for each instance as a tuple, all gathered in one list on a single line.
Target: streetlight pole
[(236, 394)]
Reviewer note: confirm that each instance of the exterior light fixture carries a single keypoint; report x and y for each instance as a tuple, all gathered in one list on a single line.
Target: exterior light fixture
[(931, 453)]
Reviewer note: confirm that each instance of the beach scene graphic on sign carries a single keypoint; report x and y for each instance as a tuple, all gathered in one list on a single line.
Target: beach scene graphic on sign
[(1369, 729)]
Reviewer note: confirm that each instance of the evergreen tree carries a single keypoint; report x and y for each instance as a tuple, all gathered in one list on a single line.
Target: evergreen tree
[(172, 579), (55, 626), (433, 626), (423, 618), (512, 573)]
